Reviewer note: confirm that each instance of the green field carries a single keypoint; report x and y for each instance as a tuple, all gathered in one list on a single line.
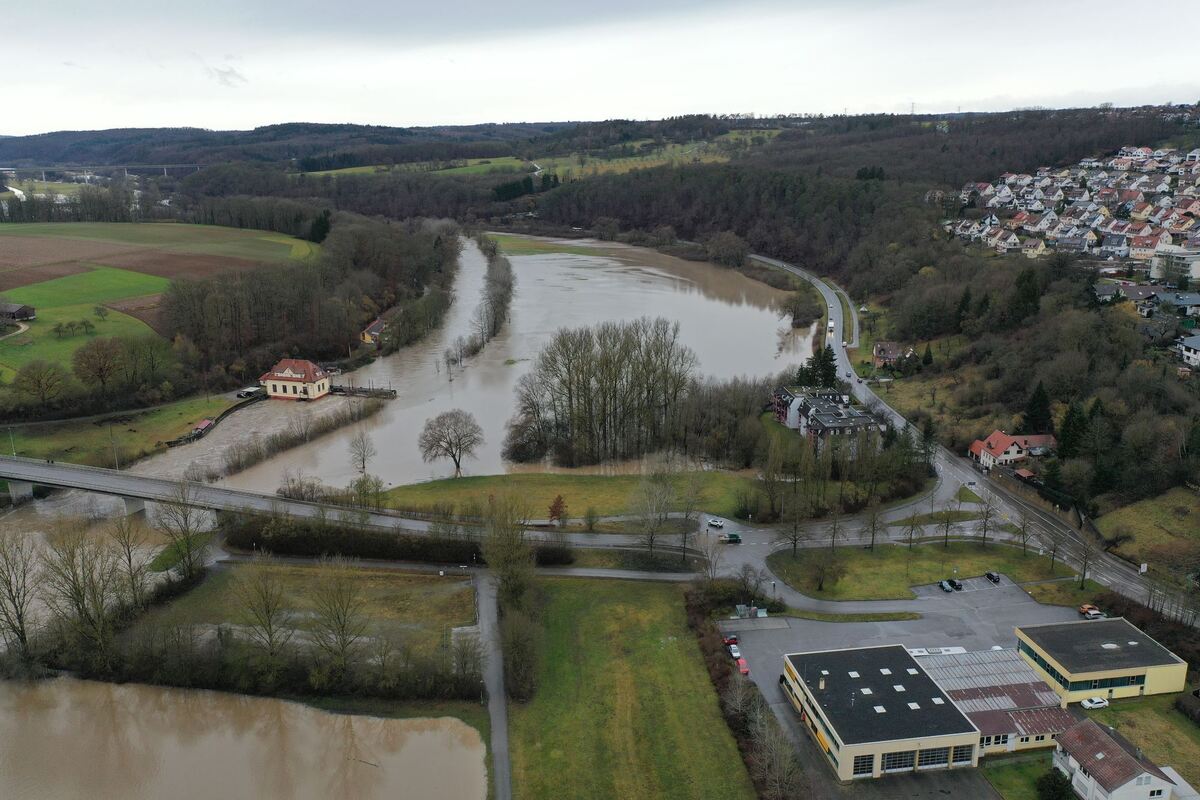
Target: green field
[(624, 707), (1015, 777), (1161, 526), (214, 240), (890, 571), (70, 299), (416, 609), (607, 494), (1167, 737), (1065, 593), (135, 434), (936, 518), (47, 188), (474, 166), (580, 165), (524, 246)]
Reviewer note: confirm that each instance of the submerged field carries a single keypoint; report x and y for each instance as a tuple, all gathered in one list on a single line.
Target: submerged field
[(624, 707)]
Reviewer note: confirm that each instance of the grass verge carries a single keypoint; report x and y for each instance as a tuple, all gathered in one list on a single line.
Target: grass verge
[(936, 517), (1159, 525), (1014, 778), (1064, 593), (889, 572), (624, 707)]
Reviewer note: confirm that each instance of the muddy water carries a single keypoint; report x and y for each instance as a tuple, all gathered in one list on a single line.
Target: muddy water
[(731, 322), (69, 739)]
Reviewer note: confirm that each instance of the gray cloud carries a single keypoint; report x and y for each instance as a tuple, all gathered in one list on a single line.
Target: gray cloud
[(226, 76)]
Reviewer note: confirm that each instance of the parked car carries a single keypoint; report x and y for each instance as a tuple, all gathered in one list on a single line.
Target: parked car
[(1095, 615), (945, 586), (955, 584), (716, 523), (743, 667), (1094, 702), (729, 638), (1087, 608), (734, 652), (992, 576), (730, 538)]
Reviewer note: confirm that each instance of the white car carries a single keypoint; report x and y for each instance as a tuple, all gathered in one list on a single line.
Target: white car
[(1094, 702), (1095, 615), (735, 653), (716, 523)]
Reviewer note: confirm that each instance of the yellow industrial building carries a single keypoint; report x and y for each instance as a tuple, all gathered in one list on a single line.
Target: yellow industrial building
[(1107, 658), (874, 711)]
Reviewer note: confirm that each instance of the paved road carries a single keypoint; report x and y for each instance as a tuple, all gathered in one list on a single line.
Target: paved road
[(493, 679)]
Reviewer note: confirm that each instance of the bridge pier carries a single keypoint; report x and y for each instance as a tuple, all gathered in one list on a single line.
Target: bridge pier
[(20, 491), (134, 505)]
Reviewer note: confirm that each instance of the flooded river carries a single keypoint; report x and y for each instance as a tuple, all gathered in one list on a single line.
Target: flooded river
[(68, 739), (731, 322)]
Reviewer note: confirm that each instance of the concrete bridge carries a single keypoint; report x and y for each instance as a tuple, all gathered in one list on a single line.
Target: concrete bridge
[(23, 474)]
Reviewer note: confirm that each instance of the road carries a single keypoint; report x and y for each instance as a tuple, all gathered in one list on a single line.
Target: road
[(955, 471)]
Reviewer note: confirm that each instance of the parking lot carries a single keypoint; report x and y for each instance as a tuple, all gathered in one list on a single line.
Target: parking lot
[(979, 617)]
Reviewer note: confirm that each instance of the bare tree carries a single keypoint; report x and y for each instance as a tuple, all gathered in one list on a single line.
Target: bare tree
[(185, 526), (362, 450), (750, 580), (713, 553), (1088, 553), (340, 622), (834, 529), (825, 566), (452, 434), (912, 530), (1025, 529), (19, 580), (80, 578), (794, 533), (259, 593), (946, 523), (651, 503), (873, 522), (128, 535), (987, 516), (506, 547)]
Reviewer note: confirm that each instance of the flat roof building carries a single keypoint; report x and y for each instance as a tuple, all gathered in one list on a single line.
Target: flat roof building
[(1013, 708), (1107, 658), (874, 711)]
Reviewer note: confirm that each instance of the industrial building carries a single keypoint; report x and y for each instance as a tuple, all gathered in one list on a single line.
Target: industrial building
[(874, 711), (1107, 658)]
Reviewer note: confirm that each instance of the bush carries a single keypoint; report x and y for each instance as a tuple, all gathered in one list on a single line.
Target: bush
[(1054, 785)]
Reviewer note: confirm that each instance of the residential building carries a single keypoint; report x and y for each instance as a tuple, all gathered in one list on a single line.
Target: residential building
[(1185, 304), (1103, 767), (873, 711), (1189, 350), (1033, 248), (822, 415), (1004, 449), (373, 333), (296, 379), (1173, 261), (886, 354), (1013, 708), (1106, 658)]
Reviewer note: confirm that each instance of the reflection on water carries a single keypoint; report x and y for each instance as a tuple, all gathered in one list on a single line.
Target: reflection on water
[(68, 739), (732, 323)]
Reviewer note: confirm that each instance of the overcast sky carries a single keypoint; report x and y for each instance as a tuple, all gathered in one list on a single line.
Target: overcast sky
[(81, 64)]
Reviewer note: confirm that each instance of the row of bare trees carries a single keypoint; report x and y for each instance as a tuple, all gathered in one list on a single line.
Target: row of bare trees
[(492, 311)]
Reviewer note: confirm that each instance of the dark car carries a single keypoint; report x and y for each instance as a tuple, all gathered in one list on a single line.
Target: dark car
[(945, 586), (993, 577), (955, 584)]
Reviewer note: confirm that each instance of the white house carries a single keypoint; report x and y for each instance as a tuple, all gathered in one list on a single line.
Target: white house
[(1189, 350), (1101, 768), (296, 379)]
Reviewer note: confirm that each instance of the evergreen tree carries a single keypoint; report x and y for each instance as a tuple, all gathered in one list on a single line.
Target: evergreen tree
[(927, 359), (1071, 433), (1027, 291), (827, 366), (964, 307), (1052, 475), (1037, 418)]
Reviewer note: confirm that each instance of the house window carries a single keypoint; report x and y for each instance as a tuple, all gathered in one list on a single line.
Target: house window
[(1024, 739), (294, 389), (1156, 792), (1040, 738), (1002, 739), (903, 760), (864, 765)]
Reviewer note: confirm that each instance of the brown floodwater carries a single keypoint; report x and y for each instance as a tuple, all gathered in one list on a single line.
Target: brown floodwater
[(733, 324), (69, 739)]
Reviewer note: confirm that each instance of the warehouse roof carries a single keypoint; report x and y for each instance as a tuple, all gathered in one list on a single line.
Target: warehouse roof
[(872, 694), (1098, 645)]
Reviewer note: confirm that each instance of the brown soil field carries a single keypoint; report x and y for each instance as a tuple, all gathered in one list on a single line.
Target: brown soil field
[(145, 309), (179, 265), (14, 277), (32, 251)]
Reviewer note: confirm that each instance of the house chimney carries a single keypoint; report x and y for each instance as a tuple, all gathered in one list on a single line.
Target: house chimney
[(821, 683)]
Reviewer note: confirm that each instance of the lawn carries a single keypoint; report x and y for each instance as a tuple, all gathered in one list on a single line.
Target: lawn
[(474, 166), (135, 434), (1167, 737), (890, 571), (1014, 777), (1159, 525), (624, 707), (46, 188), (965, 495), (936, 518), (253, 245), (525, 246), (1064, 593), (418, 609), (607, 494), (96, 286)]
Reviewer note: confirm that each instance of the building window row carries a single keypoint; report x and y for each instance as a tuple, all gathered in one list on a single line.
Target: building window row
[(1000, 739), (1108, 683), (1041, 662)]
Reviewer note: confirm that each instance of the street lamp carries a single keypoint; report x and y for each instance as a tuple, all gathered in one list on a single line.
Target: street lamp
[(772, 588)]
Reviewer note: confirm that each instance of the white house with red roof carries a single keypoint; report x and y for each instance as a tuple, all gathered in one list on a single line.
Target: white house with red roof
[(295, 379), (1004, 449), (1103, 766)]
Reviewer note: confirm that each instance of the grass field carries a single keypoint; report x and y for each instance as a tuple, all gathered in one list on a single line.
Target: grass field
[(417, 609), (474, 166), (577, 165), (936, 518), (890, 571), (135, 434), (1160, 525), (46, 188), (523, 246), (1167, 737), (624, 707), (965, 495), (1065, 593), (1014, 777), (607, 494)]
